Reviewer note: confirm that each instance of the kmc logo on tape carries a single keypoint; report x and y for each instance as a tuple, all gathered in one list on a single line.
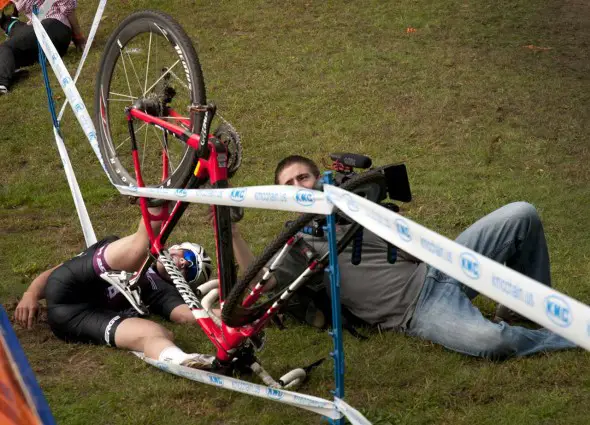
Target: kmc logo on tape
[(274, 393), (304, 197), (351, 204), (238, 195), (558, 311), (470, 265), (403, 230), (216, 380)]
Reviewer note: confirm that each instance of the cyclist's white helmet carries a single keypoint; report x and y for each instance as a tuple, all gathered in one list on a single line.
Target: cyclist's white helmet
[(200, 267)]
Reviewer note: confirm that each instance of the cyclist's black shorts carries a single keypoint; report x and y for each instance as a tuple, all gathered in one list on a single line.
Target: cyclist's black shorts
[(81, 307)]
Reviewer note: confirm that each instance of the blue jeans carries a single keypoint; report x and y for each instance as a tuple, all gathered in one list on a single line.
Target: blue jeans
[(444, 313)]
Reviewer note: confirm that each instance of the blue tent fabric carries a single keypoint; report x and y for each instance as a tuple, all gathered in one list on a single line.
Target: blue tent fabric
[(26, 373)]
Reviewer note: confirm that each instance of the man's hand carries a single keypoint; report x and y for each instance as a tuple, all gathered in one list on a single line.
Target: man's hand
[(79, 41), (27, 310)]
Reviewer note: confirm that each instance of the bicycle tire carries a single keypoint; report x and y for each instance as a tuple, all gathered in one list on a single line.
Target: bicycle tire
[(140, 24), (233, 314)]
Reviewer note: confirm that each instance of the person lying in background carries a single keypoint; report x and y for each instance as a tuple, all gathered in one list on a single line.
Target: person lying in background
[(21, 48), (412, 297)]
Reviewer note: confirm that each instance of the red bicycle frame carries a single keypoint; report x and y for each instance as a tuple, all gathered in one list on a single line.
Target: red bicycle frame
[(211, 165)]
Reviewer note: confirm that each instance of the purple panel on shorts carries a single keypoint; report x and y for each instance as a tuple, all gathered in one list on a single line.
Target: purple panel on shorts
[(99, 262)]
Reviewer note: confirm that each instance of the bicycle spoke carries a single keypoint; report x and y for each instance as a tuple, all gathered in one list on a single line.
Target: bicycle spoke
[(122, 95), (165, 147), (161, 77), (129, 138), (125, 71), (147, 67), (118, 100), (180, 80), (176, 118), (134, 71), (144, 148)]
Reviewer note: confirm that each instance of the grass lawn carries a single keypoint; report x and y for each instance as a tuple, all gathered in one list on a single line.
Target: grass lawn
[(486, 103)]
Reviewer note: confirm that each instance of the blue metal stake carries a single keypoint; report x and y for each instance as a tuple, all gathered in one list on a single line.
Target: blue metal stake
[(50, 101), (336, 333)]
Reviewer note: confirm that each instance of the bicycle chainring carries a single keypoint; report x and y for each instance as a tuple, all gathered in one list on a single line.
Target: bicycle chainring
[(229, 136)]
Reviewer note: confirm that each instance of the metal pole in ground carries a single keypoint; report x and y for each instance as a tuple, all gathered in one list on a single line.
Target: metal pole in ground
[(336, 332)]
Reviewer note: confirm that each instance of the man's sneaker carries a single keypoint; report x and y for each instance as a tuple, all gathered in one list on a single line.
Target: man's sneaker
[(199, 361), (504, 314), (3, 90)]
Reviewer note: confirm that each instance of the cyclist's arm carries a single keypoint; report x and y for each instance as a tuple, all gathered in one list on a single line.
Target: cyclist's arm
[(37, 286), (28, 307), (242, 251), (244, 258), (183, 314)]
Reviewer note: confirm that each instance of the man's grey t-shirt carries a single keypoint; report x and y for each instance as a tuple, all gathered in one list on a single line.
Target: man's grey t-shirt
[(375, 291)]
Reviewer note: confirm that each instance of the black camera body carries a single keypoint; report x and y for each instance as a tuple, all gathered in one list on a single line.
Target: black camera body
[(396, 182)]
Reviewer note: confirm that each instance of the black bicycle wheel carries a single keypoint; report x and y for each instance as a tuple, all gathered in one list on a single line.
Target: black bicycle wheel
[(149, 62), (370, 184)]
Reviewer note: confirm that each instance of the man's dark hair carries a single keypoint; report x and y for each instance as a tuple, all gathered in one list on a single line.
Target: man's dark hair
[(296, 159)]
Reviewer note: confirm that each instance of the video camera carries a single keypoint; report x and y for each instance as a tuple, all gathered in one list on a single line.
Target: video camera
[(396, 183)]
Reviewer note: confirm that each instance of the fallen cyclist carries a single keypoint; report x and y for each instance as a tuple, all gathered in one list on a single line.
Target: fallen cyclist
[(82, 307), (412, 297)]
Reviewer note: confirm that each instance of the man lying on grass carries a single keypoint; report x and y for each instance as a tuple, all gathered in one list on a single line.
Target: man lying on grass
[(411, 297), (82, 307)]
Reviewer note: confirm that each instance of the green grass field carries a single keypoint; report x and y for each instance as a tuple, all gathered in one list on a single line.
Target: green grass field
[(486, 103)]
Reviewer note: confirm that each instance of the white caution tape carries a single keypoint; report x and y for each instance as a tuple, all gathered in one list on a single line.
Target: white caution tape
[(87, 229), (69, 88), (354, 416), (286, 198), (82, 114), (540, 303), (89, 40), (304, 401)]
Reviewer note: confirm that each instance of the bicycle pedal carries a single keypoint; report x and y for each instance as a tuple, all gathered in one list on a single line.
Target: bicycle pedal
[(121, 282)]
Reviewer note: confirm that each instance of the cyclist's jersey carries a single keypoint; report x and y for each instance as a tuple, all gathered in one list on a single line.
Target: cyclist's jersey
[(375, 291), (83, 307)]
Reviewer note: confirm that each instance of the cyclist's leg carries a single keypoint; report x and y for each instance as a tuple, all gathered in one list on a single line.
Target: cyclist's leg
[(143, 335), (130, 252), (89, 324), (156, 342)]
